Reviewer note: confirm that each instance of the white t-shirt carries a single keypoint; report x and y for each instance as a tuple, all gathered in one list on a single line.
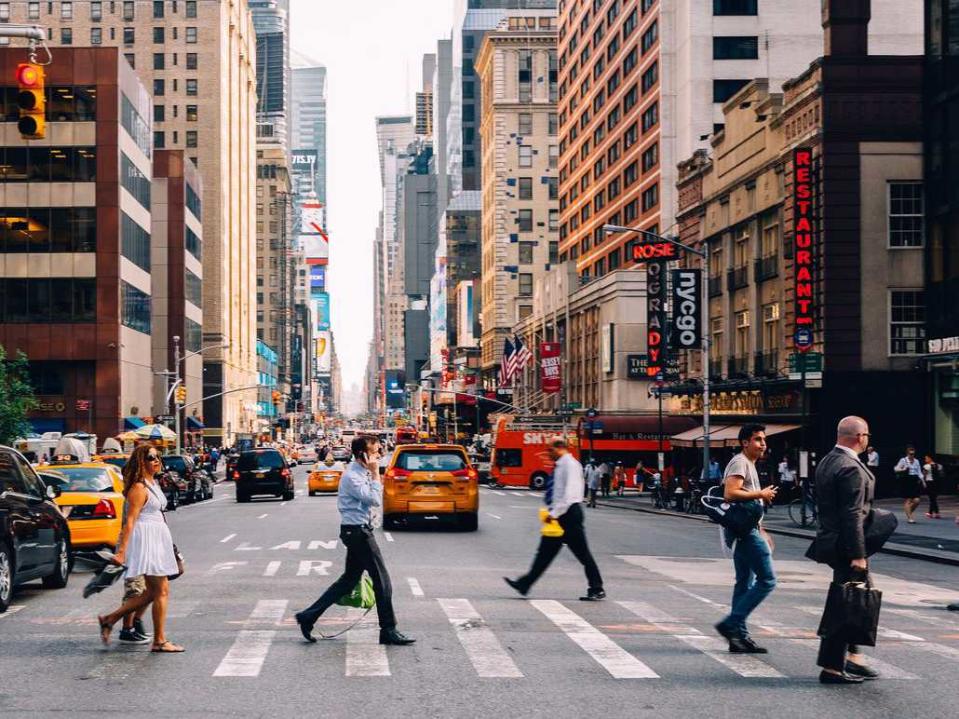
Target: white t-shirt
[(740, 466), (872, 459)]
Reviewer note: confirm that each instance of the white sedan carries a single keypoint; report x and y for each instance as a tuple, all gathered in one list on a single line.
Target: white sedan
[(307, 454)]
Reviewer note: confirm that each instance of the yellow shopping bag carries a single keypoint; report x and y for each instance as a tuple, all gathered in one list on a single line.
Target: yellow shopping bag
[(551, 527)]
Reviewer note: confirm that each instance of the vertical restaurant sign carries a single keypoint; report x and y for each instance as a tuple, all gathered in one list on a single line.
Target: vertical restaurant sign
[(803, 234), (550, 376), (655, 318), (687, 312), (606, 340)]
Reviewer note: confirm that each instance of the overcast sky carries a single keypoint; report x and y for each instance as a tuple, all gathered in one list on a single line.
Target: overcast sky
[(372, 50)]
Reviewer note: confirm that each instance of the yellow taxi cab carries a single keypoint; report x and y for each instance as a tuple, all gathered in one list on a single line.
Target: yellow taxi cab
[(325, 477), (116, 459), (431, 482), (91, 498)]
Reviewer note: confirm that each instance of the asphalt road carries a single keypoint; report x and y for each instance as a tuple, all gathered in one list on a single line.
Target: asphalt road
[(649, 650)]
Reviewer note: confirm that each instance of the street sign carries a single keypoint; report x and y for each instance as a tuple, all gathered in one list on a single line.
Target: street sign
[(592, 412), (813, 382), (593, 427), (163, 418), (810, 361), (573, 405), (803, 338)]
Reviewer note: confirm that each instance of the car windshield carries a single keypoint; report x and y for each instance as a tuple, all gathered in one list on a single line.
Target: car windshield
[(115, 461), (177, 464), (79, 479), (260, 460), (430, 461)]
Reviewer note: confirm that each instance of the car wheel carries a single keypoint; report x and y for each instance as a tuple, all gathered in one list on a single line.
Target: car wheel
[(537, 481), (389, 521), (242, 497), (6, 577), (312, 493), (469, 522), (57, 579), (288, 496)]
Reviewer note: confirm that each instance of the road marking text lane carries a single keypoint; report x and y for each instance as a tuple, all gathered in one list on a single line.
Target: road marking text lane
[(612, 657), (484, 650)]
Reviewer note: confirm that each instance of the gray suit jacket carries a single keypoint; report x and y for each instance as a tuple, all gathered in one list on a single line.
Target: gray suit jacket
[(844, 493)]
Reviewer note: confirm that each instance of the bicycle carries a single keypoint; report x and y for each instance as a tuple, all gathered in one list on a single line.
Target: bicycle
[(802, 513)]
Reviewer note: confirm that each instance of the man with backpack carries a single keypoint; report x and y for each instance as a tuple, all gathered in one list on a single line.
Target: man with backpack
[(752, 557)]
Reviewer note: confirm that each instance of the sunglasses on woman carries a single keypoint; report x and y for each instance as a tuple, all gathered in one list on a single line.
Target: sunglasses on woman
[(153, 458)]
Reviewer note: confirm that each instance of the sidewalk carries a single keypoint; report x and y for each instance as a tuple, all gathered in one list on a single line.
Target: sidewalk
[(935, 540)]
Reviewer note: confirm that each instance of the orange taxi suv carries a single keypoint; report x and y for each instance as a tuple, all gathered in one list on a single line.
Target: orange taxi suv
[(325, 478), (91, 498), (431, 482)]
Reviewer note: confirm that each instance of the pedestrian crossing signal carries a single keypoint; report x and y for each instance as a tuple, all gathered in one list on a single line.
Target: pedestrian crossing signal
[(31, 101)]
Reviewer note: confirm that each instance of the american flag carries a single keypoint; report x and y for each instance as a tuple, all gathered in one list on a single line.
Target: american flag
[(522, 356), (507, 363)]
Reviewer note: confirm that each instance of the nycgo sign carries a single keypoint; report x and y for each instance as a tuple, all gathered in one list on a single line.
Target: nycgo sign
[(687, 310)]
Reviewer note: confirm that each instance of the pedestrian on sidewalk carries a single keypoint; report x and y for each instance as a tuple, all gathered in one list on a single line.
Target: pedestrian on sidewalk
[(605, 475), (146, 547), (752, 555), (360, 491), (592, 482), (909, 472), (787, 481), (844, 492), (931, 471), (619, 479), (564, 495), (639, 476)]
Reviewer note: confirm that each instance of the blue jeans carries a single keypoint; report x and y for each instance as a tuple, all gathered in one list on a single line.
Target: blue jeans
[(755, 579)]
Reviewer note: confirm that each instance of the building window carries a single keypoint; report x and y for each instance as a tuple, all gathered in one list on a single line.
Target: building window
[(191, 36), (191, 113), (630, 99), (129, 36), (191, 87), (47, 300), (905, 214), (647, 6), (649, 37), (159, 35), (42, 229), (629, 62), (736, 47), (735, 7), (96, 36), (33, 11), (650, 157), (193, 244), (193, 200), (650, 77), (157, 9), (526, 188), (66, 36), (4, 12), (553, 220), (907, 322), (136, 127), (159, 87), (630, 136), (553, 128), (96, 10), (525, 156), (650, 198), (524, 219), (128, 56), (159, 61), (135, 308), (525, 123), (525, 284), (192, 289), (191, 61), (134, 242), (630, 211), (194, 335), (725, 89), (553, 184), (191, 138), (630, 174), (134, 181), (191, 8), (526, 253), (159, 113), (650, 117), (128, 9), (66, 10), (159, 139)]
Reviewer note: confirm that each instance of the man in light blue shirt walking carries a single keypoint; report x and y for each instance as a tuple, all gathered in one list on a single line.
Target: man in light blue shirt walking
[(360, 490)]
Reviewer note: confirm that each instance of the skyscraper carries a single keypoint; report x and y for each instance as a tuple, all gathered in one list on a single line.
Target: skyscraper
[(309, 116)]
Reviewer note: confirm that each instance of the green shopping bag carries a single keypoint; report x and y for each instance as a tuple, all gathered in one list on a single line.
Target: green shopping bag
[(362, 596)]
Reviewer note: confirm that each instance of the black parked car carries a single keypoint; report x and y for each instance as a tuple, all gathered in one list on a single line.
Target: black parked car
[(34, 536), (262, 471), (197, 484)]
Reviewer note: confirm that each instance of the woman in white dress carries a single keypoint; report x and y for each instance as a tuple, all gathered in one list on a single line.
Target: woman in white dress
[(146, 547)]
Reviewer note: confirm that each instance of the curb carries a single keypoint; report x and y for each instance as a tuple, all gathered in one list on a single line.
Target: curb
[(899, 550)]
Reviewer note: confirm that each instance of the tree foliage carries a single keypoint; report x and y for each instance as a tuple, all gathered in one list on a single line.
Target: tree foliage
[(16, 396)]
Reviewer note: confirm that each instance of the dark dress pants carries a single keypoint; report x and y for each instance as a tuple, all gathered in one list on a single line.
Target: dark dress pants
[(362, 553), (833, 649), (574, 537)]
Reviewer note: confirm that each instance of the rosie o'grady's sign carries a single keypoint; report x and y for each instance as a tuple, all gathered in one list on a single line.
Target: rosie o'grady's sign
[(803, 235)]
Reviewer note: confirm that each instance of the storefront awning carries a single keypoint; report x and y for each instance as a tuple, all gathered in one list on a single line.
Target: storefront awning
[(725, 435), (133, 423), (192, 423)]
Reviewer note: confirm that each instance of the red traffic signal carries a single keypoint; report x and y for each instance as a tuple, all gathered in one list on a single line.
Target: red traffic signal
[(31, 101), (29, 75)]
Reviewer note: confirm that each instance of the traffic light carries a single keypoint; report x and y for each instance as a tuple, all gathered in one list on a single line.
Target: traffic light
[(31, 101), (181, 395), (276, 397)]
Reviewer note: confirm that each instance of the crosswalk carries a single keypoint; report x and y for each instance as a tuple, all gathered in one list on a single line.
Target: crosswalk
[(630, 639)]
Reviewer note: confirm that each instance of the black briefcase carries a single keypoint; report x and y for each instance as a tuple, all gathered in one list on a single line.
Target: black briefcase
[(852, 612)]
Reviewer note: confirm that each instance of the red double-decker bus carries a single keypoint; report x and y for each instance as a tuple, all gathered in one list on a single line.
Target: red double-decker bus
[(520, 456)]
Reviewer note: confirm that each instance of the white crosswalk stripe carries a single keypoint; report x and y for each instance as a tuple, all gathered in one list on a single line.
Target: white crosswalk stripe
[(480, 643), (365, 656), (714, 647), (245, 658), (940, 622), (612, 657), (12, 609)]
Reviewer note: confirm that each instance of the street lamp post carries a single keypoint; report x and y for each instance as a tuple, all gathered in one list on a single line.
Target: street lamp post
[(704, 299)]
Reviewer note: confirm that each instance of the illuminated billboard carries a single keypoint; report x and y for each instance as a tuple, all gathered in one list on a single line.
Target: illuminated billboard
[(324, 353)]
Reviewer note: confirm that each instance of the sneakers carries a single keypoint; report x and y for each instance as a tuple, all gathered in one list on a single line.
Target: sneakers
[(140, 629), (131, 636), (593, 595)]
